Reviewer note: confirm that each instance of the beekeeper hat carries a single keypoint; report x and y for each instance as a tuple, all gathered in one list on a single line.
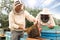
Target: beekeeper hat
[(45, 11), (17, 3), (17, 0)]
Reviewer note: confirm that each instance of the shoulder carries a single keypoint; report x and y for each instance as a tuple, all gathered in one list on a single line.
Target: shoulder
[(38, 13), (26, 11), (11, 13)]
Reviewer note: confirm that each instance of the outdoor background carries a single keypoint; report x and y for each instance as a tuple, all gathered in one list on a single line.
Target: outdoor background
[(33, 7)]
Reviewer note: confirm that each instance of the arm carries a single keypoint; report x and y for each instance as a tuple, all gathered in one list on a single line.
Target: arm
[(29, 17), (38, 18), (11, 21), (52, 21)]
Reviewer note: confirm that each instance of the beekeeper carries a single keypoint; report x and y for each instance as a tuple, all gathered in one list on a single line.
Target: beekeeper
[(17, 20), (45, 18)]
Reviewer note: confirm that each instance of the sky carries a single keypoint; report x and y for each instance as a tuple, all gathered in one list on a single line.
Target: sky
[(53, 5)]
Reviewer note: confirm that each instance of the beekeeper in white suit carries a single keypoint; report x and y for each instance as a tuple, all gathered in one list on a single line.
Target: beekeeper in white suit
[(17, 20), (45, 18)]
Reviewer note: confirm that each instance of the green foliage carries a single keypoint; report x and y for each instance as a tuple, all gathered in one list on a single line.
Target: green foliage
[(4, 20), (57, 21), (33, 12), (28, 24), (6, 5)]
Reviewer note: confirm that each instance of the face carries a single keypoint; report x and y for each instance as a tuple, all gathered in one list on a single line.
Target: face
[(44, 18), (19, 8)]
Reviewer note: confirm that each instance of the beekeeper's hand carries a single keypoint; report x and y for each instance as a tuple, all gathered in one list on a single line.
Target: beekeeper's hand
[(35, 22), (51, 26)]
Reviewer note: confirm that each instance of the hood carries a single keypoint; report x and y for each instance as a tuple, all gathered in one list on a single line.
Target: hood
[(45, 11)]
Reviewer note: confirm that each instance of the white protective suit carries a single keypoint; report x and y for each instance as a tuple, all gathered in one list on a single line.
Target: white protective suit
[(45, 18)]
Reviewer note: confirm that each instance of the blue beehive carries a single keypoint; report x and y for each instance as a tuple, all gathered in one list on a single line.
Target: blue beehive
[(53, 34), (25, 36), (8, 36)]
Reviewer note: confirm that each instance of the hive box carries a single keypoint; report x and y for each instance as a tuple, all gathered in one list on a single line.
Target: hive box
[(32, 39), (36, 39), (25, 36), (8, 36), (51, 33)]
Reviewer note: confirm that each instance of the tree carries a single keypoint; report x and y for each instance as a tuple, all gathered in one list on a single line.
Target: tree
[(5, 8), (4, 20)]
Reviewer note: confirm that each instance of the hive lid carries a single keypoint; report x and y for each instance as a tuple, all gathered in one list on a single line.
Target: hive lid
[(56, 29)]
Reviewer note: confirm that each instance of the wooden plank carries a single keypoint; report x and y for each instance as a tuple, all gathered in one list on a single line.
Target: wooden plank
[(35, 39), (2, 35)]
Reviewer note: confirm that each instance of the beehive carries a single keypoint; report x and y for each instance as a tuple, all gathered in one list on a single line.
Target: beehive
[(8, 36), (24, 37), (51, 33)]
